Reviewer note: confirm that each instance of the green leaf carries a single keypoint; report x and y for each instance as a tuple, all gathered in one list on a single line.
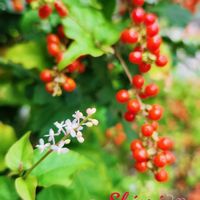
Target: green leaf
[(20, 155), (94, 35), (26, 188), (58, 169), (7, 189)]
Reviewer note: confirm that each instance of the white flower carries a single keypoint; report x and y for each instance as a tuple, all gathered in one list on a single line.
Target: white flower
[(60, 126), (51, 136), (42, 146), (91, 111), (88, 124), (78, 115), (79, 137), (59, 148), (95, 122), (71, 127)]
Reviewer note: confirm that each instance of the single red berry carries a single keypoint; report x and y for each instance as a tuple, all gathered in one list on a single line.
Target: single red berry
[(73, 66), (129, 36), (161, 60), (69, 85), (52, 38), (155, 113), (61, 8), (156, 52), (136, 144), (44, 11), (155, 125), (129, 116), (59, 57), (153, 43), (170, 157), (81, 68), (160, 160), (147, 130), (133, 106), (165, 143), (140, 155), (144, 67), (138, 2), (143, 95), (151, 90), (53, 49), (161, 175), (138, 15), (138, 48), (141, 166), (46, 75), (122, 96), (138, 81), (135, 57), (60, 31), (152, 30), (149, 19), (49, 87)]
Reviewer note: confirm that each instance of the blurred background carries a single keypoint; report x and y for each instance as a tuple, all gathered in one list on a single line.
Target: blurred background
[(25, 105)]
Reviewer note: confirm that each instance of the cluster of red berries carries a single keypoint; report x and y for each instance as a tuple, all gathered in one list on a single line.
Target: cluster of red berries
[(116, 134), (149, 151), (145, 37), (45, 9)]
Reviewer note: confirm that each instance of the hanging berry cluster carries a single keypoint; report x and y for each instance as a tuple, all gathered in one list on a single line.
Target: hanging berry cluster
[(150, 151), (55, 80)]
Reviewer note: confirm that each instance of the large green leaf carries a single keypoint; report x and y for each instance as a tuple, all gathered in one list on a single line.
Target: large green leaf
[(91, 32), (7, 191), (57, 169), (20, 154), (26, 187)]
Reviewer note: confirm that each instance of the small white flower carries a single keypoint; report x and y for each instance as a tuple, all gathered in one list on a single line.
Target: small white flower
[(71, 127), (42, 146), (88, 124), (67, 141), (78, 115), (60, 126), (91, 111), (59, 148), (51, 136), (95, 122), (80, 137)]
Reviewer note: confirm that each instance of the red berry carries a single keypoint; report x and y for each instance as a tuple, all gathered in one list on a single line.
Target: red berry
[(152, 30), (61, 8), (129, 116), (44, 11), (53, 49), (46, 75), (143, 95), (149, 19), (129, 36), (140, 155), (151, 90), (160, 160), (49, 87), (60, 31), (161, 60), (170, 157), (153, 43), (138, 2), (74, 66), (135, 57), (59, 57), (144, 67), (52, 38), (122, 96), (138, 81), (136, 144), (138, 15), (141, 166), (147, 130), (69, 85), (133, 106), (155, 113), (165, 143), (155, 125), (161, 175)]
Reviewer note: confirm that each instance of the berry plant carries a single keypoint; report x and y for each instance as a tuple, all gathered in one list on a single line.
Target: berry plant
[(128, 64)]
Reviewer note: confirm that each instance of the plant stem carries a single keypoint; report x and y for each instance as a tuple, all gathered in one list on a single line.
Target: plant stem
[(50, 151)]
